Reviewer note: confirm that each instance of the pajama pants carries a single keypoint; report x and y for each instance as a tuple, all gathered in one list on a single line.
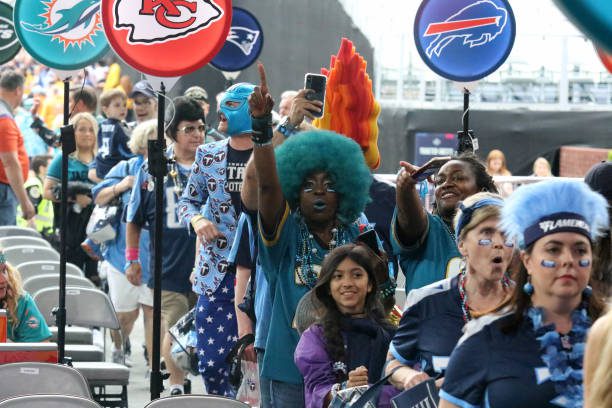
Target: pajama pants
[(217, 334)]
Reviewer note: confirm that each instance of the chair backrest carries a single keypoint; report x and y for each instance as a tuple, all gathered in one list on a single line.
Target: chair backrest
[(48, 401), (23, 253), (195, 401), (35, 268), (12, 231), (84, 307), (41, 378), (7, 242), (36, 283)]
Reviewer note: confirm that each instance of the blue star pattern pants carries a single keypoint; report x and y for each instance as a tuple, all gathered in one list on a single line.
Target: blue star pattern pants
[(217, 334)]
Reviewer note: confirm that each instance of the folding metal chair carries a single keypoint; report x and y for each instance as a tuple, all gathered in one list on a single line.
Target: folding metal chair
[(12, 231), (35, 283), (34, 268), (41, 378), (195, 401), (48, 401), (23, 253), (7, 242), (89, 308)]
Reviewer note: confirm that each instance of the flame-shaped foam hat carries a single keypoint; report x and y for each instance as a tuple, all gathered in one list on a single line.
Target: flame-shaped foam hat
[(350, 107)]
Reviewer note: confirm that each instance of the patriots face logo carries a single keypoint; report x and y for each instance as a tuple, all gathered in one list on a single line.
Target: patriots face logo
[(207, 160), (469, 25), (159, 21), (244, 38), (224, 208), (211, 184)]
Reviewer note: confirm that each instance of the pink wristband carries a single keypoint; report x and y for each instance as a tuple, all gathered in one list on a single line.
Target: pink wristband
[(132, 254)]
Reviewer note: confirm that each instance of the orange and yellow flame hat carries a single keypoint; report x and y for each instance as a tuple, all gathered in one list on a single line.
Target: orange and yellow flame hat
[(350, 107)]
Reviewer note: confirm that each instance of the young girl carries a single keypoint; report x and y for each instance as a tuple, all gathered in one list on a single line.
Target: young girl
[(347, 347)]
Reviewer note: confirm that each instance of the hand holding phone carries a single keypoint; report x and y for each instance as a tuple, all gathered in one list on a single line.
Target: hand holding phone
[(430, 168), (316, 83)]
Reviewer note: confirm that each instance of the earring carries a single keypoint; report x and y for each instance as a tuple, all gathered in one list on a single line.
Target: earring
[(528, 287)]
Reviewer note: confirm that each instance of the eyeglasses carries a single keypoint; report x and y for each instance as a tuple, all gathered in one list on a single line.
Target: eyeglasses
[(189, 130)]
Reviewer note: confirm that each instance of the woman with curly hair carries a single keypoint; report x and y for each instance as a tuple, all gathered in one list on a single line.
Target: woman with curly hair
[(330, 354), (311, 192), (25, 323), (426, 242), (530, 352)]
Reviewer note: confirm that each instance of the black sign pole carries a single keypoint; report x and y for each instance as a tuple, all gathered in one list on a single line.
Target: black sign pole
[(157, 169), (68, 146), (466, 136)]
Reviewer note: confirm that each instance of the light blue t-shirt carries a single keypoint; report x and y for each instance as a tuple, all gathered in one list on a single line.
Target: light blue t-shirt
[(278, 263), (433, 258), (31, 326), (114, 251)]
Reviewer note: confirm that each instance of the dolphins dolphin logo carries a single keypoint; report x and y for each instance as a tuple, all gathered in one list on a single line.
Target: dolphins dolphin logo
[(77, 16)]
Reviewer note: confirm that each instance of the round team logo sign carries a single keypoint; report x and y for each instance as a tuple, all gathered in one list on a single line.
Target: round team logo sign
[(243, 44), (9, 43), (166, 38), (464, 40), (62, 34)]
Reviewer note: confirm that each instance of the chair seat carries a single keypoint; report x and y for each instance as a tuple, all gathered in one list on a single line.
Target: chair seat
[(103, 373), (84, 352), (74, 335)]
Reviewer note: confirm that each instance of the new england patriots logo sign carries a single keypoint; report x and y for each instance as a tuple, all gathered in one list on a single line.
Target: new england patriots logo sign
[(243, 44), (464, 40)]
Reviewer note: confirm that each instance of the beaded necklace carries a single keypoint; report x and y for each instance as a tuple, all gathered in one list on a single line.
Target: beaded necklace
[(178, 179), (465, 308), (307, 251), (563, 355)]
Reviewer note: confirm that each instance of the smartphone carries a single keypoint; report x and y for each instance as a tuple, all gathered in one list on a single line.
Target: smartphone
[(370, 239), (317, 83), (430, 168)]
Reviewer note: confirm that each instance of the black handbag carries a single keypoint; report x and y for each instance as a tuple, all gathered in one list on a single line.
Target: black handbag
[(424, 394), (234, 360)]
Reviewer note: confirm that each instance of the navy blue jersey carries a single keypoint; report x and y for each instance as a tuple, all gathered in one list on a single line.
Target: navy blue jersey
[(112, 146), (430, 328), (490, 368), (178, 245), (379, 212)]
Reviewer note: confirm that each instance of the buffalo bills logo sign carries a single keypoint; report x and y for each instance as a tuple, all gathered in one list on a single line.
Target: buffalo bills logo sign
[(63, 34), (243, 45), (144, 32), (464, 40)]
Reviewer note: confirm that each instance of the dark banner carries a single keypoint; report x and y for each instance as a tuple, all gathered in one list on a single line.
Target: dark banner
[(522, 135)]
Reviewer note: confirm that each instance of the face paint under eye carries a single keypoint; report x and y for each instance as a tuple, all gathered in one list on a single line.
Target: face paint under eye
[(584, 262), (509, 244), (548, 264), (308, 189), (330, 189), (484, 242)]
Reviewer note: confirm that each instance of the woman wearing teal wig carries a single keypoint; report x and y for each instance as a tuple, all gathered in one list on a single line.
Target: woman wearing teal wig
[(311, 194)]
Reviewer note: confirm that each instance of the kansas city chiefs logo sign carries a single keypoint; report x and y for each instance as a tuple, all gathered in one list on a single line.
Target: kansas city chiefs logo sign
[(158, 21)]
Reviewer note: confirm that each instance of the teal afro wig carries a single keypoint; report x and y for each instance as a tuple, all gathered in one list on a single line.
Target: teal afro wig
[(340, 157)]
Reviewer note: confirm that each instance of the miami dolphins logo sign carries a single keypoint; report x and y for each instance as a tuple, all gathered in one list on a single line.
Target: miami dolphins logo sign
[(69, 23), (63, 34)]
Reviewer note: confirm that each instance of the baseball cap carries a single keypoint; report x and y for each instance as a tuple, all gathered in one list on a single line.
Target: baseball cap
[(144, 88), (197, 92), (599, 178)]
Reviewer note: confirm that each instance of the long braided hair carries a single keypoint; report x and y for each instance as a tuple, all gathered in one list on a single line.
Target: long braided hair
[(331, 316)]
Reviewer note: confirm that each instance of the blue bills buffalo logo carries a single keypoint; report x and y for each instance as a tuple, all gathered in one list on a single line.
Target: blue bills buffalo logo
[(64, 34), (464, 40), (145, 32)]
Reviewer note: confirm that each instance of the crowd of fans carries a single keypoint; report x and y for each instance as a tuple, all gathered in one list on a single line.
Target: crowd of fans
[(282, 232)]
